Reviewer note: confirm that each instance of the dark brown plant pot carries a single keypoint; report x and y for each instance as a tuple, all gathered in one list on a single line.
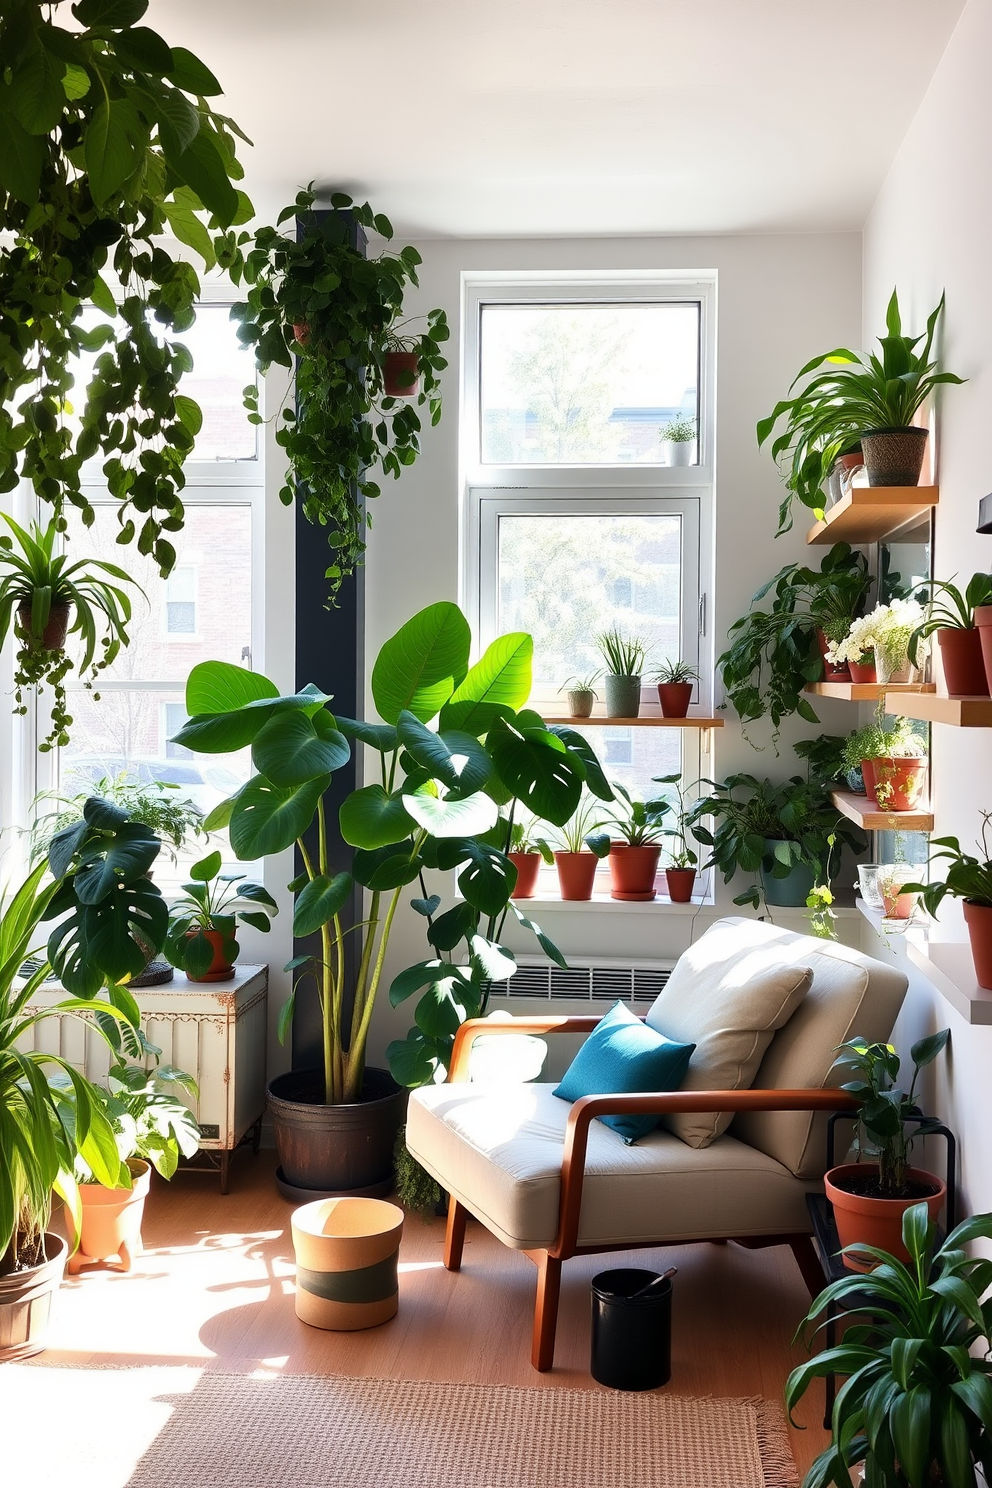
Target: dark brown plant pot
[(899, 783), (978, 918), (633, 871), (26, 1302), (894, 457), (865, 1220), (528, 866), (838, 672), (681, 882), (674, 698), (983, 624), (862, 672), (963, 663), (220, 968), (400, 374), (54, 634), (576, 874), (336, 1149)]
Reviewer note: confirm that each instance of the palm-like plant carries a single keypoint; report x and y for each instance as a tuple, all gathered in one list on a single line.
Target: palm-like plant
[(638, 823), (916, 1406), (855, 395), (624, 655), (35, 580)]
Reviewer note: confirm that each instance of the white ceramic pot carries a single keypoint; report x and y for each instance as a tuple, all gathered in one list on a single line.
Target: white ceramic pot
[(680, 452)]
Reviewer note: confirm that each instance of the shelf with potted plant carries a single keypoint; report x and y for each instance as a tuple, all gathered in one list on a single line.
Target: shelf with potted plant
[(934, 707), (648, 720), (956, 617), (871, 818), (869, 692), (961, 971), (870, 514)]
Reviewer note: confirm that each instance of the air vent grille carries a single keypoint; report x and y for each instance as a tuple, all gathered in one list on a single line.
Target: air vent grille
[(632, 984)]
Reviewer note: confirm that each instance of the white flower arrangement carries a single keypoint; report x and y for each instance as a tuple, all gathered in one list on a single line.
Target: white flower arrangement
[(886, 628)]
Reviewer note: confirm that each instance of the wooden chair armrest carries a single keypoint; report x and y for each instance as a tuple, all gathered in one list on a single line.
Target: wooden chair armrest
[(473, 1027)]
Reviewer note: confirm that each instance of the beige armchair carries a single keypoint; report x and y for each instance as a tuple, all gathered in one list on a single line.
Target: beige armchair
[(549, 1179)]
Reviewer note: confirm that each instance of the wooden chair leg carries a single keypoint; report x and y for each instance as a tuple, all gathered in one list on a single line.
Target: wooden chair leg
[(542, 1354), (809, 1263), (454, 1237)]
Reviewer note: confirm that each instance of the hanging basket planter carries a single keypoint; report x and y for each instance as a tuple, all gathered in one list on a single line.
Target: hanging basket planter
[(56, 629)]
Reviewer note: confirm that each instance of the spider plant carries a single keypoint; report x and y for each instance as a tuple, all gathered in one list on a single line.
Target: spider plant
[(579, 831), (637, 823), (950, 608), (624, 656), (676, 671), (35, 581)]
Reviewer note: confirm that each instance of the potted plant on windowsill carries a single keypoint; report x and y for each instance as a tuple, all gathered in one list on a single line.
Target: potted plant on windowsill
[(581, 694), (969, 879), (203, 922), (916, 1405), (675, 681), (950, 615), (527, 851), (634, 858), (869, 1199), (624, 658), (678, 439), (581, 849), (680, 872), (433, 807)]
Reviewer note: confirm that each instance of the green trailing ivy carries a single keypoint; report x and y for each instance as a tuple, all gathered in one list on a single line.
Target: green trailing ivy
[(317, 301), (107, 143)]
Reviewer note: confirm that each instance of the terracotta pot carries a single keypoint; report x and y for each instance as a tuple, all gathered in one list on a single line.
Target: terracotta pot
[(894, 457), (346, 1262), (220, 968), (863, 672), (55, 631), (528, 866), (580, 701), (831, 673), (868, 776), (633, 871), (576, 874), (674, 698), (963, 663), (301, 332), (866, 1221), (983, 624), (400, 374), (978, 918), (899, 783), (898, 906), (111, 1221), (681, 882), (26, 1302)]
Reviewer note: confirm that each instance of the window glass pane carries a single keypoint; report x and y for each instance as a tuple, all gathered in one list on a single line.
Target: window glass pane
[(632, 756), (568, 578), (586, 384), (222, 368), (201, 613)]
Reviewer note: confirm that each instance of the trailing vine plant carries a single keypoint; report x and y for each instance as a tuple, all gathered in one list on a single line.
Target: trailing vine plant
[(317, 300)]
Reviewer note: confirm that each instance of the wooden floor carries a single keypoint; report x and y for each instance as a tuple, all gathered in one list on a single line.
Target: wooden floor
[(214, 1289)]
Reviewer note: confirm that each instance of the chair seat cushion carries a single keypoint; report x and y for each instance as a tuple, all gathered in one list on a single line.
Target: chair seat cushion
[(499, 1152), (622, 1056)]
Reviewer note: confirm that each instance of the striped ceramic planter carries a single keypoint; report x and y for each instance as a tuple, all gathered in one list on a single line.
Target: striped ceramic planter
[(346, 1254)]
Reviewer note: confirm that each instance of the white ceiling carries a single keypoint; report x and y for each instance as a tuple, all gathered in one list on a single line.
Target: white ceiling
[(547, 117)]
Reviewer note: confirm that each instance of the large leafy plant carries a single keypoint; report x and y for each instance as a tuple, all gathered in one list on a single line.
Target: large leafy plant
[(968, 877), (886, 1111), (773, 653), (434, 806), (214, 901), (916, 1403), (107, 143), (855, 394), (147, 1115), (317, 299)]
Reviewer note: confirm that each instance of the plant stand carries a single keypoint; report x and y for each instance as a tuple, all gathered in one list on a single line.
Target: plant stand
[(827, 1245)]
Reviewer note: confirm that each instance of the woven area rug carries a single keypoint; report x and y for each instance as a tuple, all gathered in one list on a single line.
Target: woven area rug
[(183, 1428)]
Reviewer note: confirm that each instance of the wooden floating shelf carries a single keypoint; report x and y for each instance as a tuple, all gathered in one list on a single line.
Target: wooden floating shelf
[(864, 811), (871, 513), (865, 692), (959, 712), (650, 720), (950, 967)]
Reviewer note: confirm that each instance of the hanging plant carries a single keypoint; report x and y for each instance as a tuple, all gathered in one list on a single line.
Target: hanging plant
[(107, 142), (317, 300)]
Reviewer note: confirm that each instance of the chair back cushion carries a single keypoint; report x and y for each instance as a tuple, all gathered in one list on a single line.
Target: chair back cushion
[(728, 994), (851, 994)]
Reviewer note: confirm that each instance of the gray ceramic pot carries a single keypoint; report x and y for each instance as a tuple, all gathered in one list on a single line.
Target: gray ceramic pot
[(623, 696)]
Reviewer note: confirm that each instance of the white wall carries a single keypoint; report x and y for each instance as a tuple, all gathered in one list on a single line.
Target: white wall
[(780, 300), (930, 231)]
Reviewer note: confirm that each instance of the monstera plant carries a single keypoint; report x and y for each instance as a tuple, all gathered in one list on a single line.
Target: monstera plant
[(434, 806)]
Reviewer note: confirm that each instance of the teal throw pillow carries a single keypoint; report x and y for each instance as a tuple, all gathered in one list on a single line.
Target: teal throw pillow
[(622, 1056)]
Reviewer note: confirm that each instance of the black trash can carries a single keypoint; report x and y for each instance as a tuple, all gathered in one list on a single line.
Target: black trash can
[(631, 1336)]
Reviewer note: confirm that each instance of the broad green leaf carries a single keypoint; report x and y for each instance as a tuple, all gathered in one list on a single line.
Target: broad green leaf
[(290, 750), (387, 867), (21, 157), (422, 664), (109, 149), (547, 945), (207, 868), (220, 687), (369, 818), (201, 167), (458, 760), (413, 978), (446, 1004), (266, 818), (500, 679), (909, 1421), (494, 961), (319, 901), (413, 1061), (112, 15), (454, 925), (190, 74), (579, 748), (36, 93), (426, 907), (108, 863), (488, 879), (469, 816), (381, 736), (537, 772)]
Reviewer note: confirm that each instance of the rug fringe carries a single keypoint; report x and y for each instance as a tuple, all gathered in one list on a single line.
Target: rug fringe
[(777, 1461)]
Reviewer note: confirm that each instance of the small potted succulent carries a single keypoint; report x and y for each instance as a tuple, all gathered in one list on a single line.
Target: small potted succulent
[(675, 680), (203, 921), (950, 615), (680, 873), (678, 438), (527, 851), (634, 858), (970, 879), (625, 658), (582, 694), (870, 1198), (580, 849)]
